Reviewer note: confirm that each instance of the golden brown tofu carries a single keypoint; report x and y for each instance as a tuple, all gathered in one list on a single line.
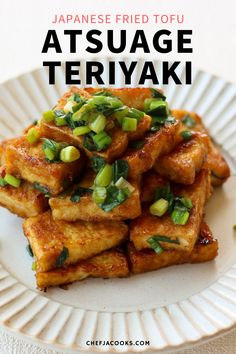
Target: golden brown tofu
[(108, 264), (24, 201), (119, 137), (206, 249), (220, 170), (28, 162), (51, 239), (147, 225), (182, 164), (150, 182), (155, 145), (86, 209)]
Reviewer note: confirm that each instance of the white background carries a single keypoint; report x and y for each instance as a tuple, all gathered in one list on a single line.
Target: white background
[(24, 23)]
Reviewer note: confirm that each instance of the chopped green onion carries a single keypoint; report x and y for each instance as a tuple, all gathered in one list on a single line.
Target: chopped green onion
[(62, 257), (120, 168), (147, 103), (33, 135), (114, 198), (158, 107), (129, 124), (48, 116), (155, 245), (98, 162), (166, 239), (81, 130), (159, 207), (179, 217), (34, 266), (186, 134), (157, 94), (84, 113), (60, 121), (50, 155), (187, 202), (29, 250), (98, 124), (41, 188), (104, 176), (69, 106), (123, 183), (135, 113), (79, 192), (102, 101), (13, 181), (69, 154), (121, 112), (101, 140), (188, 121), (3, 183), (88, 142), (99, 194)]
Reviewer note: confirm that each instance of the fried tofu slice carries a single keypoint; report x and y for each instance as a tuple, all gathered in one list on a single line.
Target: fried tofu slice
[(147, 225), (220, 170), (86, 209), (182, 164), (205, 249), (24, 201), (141, 160), (27, 161), (119, 137), (49, 238), (108, 264)]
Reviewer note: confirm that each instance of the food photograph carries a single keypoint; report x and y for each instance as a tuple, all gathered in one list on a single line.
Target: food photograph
[(117, 182)]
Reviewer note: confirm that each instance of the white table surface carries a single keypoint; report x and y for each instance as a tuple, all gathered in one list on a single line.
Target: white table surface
[(23, 26)]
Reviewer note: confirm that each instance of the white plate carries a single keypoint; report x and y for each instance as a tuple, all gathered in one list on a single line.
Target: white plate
[(171, 307)]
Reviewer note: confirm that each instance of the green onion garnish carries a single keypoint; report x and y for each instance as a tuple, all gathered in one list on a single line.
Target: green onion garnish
[(33, 135), (81, 130), (188, 121), (84, 113), (157, 107), (98, 162), (98, 124), (79, 192), (60, 121), (179, 216), (159, 207), (137, 144), (69, 154), (62, 257), (155, 245), (12, 181), (157, 94), (120, 169), (101, 140), (29, 250), (135, 113), (186, 134), (99, 194), (129, 124), (52, 149), (123, 183), (104, 176), (114, 198), (3, 183), (48, 116)]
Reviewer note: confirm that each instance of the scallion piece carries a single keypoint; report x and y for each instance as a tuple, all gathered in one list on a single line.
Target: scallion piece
[(123, 183), (50, 154), (158, 107), (98, 124), (155, 245), (186, 134), (3, 183), (159, 208), (81, 130), (69, 154), (33, 135), (99, 194), (84, 113), (187, 202), (129, 124), (104, 176), (179, 217), (48, 116), (60, 121), (69, 106), (121, 112), (13, 181), (101, 140), (135, 113), (105, 102)]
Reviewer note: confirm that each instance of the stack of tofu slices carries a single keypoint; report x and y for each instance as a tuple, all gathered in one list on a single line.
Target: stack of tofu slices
[(111, 182)]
